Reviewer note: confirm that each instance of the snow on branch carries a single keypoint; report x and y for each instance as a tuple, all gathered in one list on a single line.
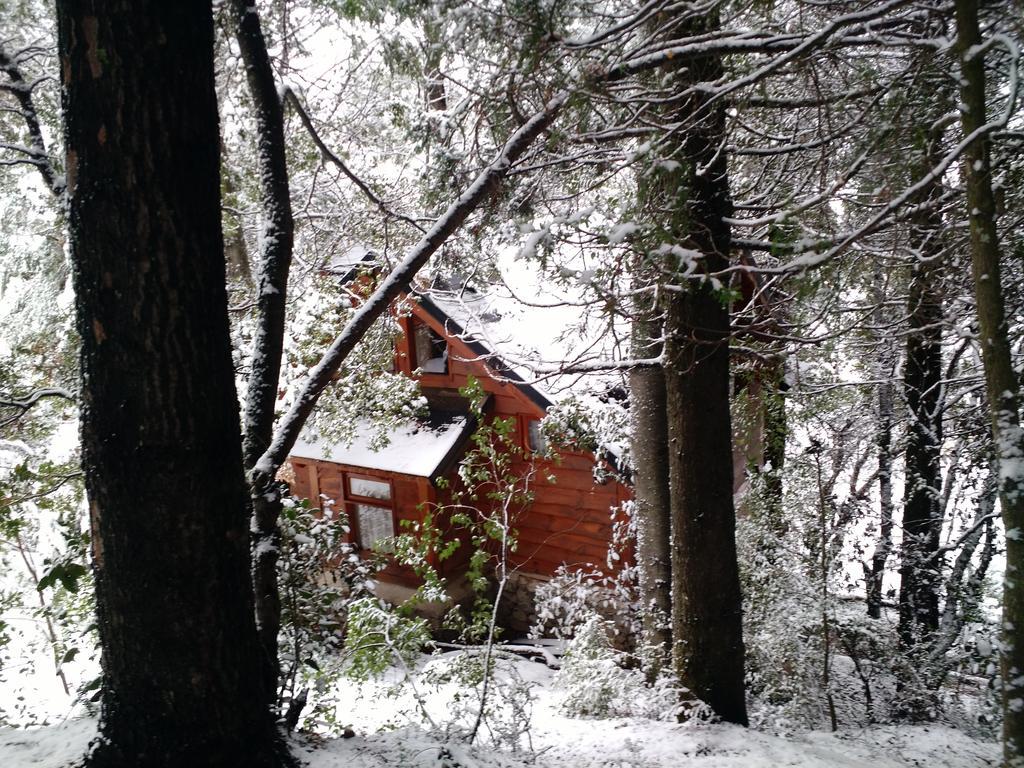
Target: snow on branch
[(803, 262), (291, 98), (648, 10), (875, 11), (738, 43), (23, 404), (377, 304), (36, 151), (788, 46), (278, 232), (546, 370)]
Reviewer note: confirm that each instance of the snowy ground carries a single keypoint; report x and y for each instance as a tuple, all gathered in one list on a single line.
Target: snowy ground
[(385, 736)]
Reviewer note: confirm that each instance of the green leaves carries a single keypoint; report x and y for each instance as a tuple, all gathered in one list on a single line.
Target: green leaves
[(377, 634), (66, 573)]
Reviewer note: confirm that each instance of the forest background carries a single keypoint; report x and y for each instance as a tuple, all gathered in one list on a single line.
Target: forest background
[(799, 217)]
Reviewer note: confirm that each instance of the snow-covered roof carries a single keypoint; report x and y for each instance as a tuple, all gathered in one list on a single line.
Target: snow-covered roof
[(423, 449), (449, 315), (534, 329), (534, 344), (346, 265)]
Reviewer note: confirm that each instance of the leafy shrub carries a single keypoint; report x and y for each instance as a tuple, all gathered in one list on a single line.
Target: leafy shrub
[(596, 684)]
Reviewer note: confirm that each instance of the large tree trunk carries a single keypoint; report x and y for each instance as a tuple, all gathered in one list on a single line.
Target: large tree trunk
[(1000, 380), (160, 432), (707, 620), (922, 511)]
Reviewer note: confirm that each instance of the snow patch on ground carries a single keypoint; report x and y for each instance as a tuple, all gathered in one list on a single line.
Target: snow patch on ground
[(386, 735), (49, 747), (586, 744)]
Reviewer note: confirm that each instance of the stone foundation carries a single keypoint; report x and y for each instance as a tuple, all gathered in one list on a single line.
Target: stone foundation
[(518, 610)]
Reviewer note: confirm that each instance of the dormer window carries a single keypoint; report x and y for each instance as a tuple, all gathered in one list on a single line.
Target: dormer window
[(431, 350)]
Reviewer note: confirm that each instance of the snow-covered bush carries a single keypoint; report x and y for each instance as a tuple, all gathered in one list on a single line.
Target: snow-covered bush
[(610, 590), (813, 653), (321, 577), (573, 596), (596, 683), (502, 715), (780, 624), (47, 599), (379, 636)]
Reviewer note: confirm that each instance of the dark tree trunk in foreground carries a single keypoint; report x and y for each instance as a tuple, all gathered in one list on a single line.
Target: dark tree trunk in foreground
[(160, 432), (1000, 379), (707, 621)]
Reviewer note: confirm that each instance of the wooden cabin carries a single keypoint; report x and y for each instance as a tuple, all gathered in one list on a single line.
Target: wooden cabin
[(569, 521)]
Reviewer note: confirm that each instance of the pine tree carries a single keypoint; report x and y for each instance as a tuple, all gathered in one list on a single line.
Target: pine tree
[(160, 429)]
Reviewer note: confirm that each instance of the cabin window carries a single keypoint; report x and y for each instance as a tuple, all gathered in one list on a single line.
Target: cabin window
[(535, 439), (374, 522), (431, 349), (375, 527), (369, 489)]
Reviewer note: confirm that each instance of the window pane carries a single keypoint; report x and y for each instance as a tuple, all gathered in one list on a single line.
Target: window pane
[(369, 489), (375, 524), (431, 350), (538, 442)]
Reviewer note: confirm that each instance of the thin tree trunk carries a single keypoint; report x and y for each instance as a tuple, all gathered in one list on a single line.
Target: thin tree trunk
[(1000, 379), (275, 259), (883, 544), (160, 433), (36, 151), (649, 448), (433, 79), (276, 238), (775, 432), (963, 585), (823, 571)]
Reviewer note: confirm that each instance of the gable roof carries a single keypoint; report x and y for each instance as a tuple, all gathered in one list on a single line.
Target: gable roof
[(463, 312), (472, 318), (493, 360)]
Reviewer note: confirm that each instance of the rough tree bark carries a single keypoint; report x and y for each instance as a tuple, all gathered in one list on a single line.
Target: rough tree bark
[(707, 616), (160, 432), (1000, 380)]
